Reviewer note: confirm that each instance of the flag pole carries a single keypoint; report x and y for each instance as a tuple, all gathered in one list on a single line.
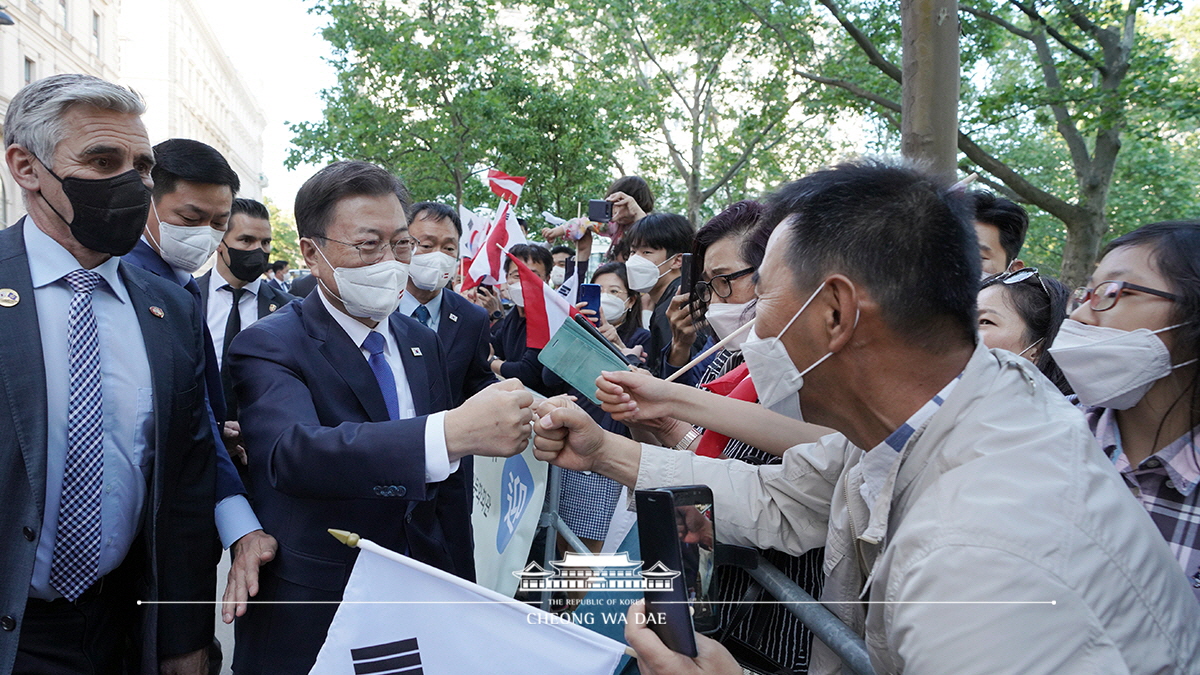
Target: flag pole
[(710, 351)]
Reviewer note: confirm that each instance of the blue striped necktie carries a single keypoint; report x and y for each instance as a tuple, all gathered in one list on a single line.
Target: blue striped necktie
[(374, 345), (76, 563)]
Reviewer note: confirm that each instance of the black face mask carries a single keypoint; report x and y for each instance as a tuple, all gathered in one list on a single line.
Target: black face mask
[(110, 213), (246, 265)]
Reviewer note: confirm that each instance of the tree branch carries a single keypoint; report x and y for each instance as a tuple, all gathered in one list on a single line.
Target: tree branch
[(670, 80), (1062, 117), (988, 16), (873, 54), (1035, 16), (851, 87), (1059, 208)]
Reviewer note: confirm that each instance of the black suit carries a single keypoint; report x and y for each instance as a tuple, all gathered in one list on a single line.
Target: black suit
[(270, 298), (323, 454), (172, 558), (303, 286)]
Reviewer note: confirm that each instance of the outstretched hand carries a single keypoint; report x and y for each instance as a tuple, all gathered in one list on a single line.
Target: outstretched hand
[(566, 436), (635, 396)]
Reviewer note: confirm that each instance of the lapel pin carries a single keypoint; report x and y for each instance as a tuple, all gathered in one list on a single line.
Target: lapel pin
[(271, 307), (416, 351), (453, 317), (9, 297), (157, 311)]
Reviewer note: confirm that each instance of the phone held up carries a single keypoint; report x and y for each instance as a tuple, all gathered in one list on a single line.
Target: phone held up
[(589, 294), (677, 535), (599, 210), (686, 274)]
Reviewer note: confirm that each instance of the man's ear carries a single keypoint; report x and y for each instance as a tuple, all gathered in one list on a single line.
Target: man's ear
[(312, 259), (21, 165), (677, 261), (844, 300), (1016, 264)]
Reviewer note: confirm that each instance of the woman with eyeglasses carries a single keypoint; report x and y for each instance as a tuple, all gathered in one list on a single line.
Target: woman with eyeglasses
[(1021, 311), (1130, 353)]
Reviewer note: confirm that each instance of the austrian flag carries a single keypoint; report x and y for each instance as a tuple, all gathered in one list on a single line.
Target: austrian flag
[(505, 186), (545, 309)]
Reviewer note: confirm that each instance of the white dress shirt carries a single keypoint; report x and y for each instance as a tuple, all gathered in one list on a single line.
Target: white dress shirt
[(438, 466), (220, 299)]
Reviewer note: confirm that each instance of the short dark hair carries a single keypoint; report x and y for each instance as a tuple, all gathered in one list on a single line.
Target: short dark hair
[(562, 249), (320, 194), (250, 208), (1009, 217), (1042, 312), (185, 159), (529, 254), (669, 231), (896, 231), (437, 211), (739, 219), (279, 265), (636, 187)]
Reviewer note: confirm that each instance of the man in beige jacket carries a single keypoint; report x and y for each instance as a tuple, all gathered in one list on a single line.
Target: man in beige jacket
[(984, 526)]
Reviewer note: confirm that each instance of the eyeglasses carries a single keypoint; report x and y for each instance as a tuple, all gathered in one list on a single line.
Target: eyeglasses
[(721, 285), (1016, 277), (1106, 294), (371, 251)]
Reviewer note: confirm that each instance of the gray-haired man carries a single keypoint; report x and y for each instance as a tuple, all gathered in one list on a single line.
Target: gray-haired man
[(106, 451)]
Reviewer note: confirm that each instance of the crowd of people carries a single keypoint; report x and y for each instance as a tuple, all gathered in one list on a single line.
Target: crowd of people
[(976, 469)]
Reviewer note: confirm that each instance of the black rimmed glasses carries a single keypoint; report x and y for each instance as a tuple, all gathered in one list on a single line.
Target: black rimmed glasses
[(371, 251), (720, 285), (1106, 294)]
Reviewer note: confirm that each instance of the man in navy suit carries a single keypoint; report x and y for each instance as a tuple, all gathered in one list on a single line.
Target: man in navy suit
[(346, 413), (193, 195), (106, 451), (463, 328)]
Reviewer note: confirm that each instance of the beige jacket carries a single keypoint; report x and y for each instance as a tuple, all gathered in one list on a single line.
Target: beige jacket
[(1001, 497)]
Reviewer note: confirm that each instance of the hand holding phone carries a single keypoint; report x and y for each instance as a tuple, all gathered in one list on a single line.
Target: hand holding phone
[(599, 210), (589, 296)]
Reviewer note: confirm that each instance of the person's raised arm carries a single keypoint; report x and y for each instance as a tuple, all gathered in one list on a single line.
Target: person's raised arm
[(568, 437), (631, 397)]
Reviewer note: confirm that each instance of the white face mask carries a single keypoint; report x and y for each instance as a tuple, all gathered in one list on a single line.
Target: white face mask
[(1109, 367), (726, 317), (369, 292), (775, 377), (185, 248), (642, 273), (431, 271), (613, 308), (557, 276), (515, 294)]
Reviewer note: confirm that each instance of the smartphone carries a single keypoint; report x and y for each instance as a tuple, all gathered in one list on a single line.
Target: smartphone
[(587, 325), (589, 294), (599, 210), (677, 535), (686, 276)]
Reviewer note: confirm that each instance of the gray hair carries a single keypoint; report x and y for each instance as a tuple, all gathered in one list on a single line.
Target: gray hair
[(34, 118)]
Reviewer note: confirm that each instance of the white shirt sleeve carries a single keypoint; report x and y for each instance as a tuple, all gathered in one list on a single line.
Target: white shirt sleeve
[(235, 518), (438, 466)]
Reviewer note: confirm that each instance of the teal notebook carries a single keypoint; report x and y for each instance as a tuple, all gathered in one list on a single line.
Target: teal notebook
[(578, 358)]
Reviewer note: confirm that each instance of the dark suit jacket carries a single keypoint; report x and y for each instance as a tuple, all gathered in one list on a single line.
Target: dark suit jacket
[(228, 481), (323, 454), (269, 296), (174, 550), (466, 337), (303, 286)]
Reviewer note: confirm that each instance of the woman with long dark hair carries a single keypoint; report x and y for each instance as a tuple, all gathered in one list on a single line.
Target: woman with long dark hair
[(1021, 311), (1130, 353)]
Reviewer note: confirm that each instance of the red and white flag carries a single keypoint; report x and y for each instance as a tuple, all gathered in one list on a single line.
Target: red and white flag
[(505, 186), (474, 228), (545, 309), (487, 267)]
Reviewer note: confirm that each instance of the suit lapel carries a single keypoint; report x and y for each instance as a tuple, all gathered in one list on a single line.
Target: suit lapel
[(158, 338), (203, 283), (22, 370), (414, 365), (447, 328), (345, 357), (264, 299)]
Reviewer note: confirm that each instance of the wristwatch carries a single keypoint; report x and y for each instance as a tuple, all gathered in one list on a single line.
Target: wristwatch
[(686, 442), (497, 315)]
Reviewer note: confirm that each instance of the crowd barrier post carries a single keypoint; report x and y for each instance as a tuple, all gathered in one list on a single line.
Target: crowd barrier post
[(553, 524)]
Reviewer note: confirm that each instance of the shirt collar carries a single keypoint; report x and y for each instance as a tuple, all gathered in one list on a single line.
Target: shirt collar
[(217, 282), (409, 304), (1179, 459), (49, 262), (354, 328), (877, 464)]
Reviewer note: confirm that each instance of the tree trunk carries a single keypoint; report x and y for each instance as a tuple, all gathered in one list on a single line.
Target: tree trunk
[(1082, 248), (929, 120)]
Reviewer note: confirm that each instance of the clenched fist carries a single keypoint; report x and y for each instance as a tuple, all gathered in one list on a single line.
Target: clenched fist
[(567, 437), (494, 422)]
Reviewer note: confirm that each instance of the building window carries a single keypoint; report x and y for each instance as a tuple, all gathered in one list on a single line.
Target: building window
[(29, 71), (63, 4), (96, 32)]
